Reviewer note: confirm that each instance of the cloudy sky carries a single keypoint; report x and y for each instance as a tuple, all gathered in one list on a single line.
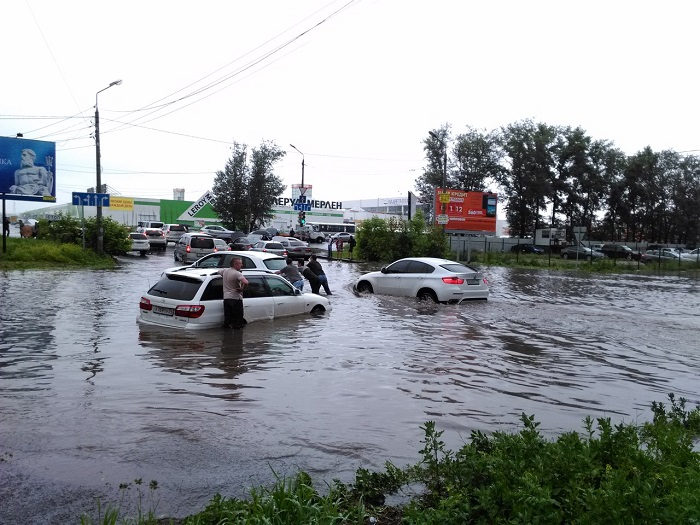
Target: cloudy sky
[(354, 84)]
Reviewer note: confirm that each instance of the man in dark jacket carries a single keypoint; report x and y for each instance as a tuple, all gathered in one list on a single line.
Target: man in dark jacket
[(310, 276), (316, 267)]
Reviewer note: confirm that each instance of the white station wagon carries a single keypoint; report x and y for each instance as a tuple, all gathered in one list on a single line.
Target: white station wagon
[(193, 300)]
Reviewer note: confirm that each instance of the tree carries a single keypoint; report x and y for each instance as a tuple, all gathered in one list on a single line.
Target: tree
[(244, 191), (433, 173), (477, 160)]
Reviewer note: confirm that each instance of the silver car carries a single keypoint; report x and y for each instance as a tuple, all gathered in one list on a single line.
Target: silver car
[(270, 247), (439, 280)]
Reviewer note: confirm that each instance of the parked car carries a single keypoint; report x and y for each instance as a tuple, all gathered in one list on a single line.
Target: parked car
[(193, 246), (142, 226), (221, 245), (156, 238), (343, 236), (526, 248), (580, 252), (251, 261), (296, 249), (174, 231), (194, 300), (270, 247), (652, 256), (139, 243), (220, 232), (439, 280), (619, 251), (264, 234), (242, 244)]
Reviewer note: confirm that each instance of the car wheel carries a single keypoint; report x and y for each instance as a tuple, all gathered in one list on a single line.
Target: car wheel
[(175, 255), (588, 257), (427, 295), (318, 310), (629, 257), (565, 256), (143, 253), (184, 259), (364, 287)]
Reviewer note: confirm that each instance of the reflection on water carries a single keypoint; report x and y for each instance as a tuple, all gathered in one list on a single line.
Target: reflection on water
[(90, 400)]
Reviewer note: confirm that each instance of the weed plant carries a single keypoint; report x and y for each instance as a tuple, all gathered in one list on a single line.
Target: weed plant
[(609, 474)]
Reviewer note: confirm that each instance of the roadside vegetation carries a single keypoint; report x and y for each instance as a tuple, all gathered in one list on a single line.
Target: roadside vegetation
[(609, 473), (59, 244)]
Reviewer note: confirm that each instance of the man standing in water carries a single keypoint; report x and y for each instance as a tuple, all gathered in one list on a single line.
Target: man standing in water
[(234, 281)]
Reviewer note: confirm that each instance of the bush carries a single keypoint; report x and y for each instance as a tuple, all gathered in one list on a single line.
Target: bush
[(69, 229)]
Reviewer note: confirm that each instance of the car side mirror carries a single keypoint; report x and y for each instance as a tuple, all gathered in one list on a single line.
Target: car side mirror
[(383, 270), (297, 291)]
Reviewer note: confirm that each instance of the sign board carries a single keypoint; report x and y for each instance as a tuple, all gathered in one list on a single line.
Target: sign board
[(472, 211), (302, 207), (27, 169), (121, 203), (444, 198), (443, 219), (90, 199), (579, 232)]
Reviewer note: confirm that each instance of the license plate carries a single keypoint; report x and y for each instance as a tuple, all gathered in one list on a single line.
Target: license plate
[(163, 311)]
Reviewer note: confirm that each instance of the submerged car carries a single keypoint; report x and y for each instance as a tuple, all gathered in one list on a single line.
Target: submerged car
[(251, 261), (269, 247), (439, 280), (296, 249), (139, 243), (194, 300)]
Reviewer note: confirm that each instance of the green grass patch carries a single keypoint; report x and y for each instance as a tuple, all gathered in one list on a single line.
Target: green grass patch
[(30, 253)]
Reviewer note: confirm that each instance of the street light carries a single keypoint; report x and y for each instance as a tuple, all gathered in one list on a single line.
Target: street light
[(98, 171), (302, 166), (444, 168)]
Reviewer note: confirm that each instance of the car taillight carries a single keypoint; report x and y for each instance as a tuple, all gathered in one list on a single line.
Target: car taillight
[(486, 281), (452, 280), (145, 304), (191, 311), (285, 252), (187, 249)]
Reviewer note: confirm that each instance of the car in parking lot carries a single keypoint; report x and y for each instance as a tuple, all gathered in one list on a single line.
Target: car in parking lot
[(268, 262), (426, 278), (156, 238), (343, 236), (139, 243), (194, 300), (174, 231), (620, 251), (581, 253), (220, 232), (221, 245), (193, 246), (242, 244), (526, 248), (296, 249), (269, 247)]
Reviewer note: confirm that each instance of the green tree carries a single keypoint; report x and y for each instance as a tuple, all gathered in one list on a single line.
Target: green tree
[(245, 189), (434, 170), (477, 160)]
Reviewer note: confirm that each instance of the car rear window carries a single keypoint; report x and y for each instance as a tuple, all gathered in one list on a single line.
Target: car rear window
[(177, 228), (458, 268), (139, 236), (202, 242), (274, 246), (276, 263), (178, 287)]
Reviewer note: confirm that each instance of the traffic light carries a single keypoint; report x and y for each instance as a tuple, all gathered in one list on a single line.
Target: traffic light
[(302, 218)]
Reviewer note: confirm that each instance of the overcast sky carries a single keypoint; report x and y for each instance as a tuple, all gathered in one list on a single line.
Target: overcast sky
[(354, 84)]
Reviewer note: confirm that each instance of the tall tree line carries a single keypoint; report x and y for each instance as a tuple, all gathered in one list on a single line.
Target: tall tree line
[(560, 176)]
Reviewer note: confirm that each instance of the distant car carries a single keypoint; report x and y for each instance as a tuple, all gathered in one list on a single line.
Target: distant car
[(439, 280), (174, 231), (581, 253), (193, 246), (526, 248), (652, 256), (220, 232), (156, 238), (343, 236), (264, 234), (144, 225), (221, 245), (251, 261), (194, 300), (139, 243), (296, 249), (270, 247), (241, 244), (619, 251)]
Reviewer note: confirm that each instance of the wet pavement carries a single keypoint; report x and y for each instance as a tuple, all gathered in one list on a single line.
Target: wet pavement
[(91, 400)]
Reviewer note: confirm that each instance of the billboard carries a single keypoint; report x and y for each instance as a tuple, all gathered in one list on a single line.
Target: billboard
[(27, 169), (470, 211)]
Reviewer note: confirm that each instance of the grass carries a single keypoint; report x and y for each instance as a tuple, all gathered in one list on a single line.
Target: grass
[(29, 253), (608, 474)]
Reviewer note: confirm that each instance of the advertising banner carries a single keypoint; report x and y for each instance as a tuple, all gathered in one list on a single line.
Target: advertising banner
[(27, 169), (121, 203), (469, 211)]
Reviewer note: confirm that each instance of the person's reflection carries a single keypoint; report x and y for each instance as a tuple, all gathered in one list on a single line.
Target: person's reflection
[(232, 342)]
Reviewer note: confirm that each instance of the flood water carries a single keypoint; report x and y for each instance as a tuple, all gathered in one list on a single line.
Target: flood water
[(90, 400)]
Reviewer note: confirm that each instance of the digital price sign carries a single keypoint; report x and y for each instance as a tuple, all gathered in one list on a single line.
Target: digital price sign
[(469, 211)]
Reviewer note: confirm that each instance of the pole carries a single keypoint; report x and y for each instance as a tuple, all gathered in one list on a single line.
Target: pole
[(99, 245), (99, 248)]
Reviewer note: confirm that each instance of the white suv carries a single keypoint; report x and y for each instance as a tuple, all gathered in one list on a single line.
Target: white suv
[(173, 232), (194, 300), (267, 262)]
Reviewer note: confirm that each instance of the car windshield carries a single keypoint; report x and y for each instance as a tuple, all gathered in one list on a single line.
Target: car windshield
[(242, 240), (178, 287)]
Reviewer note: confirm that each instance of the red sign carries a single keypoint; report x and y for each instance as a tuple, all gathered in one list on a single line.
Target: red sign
[(472, 211)]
